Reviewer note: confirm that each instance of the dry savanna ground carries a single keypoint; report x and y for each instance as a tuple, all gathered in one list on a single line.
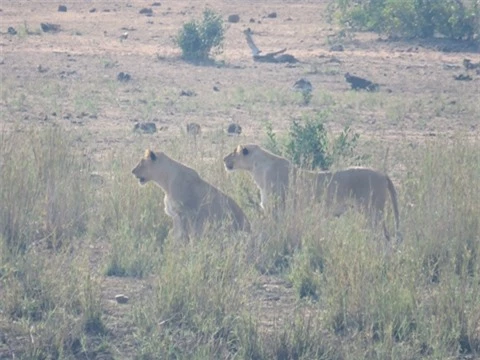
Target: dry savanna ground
[(77, 230)]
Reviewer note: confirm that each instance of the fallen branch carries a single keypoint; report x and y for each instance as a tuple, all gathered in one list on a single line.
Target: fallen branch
[(268, 57)]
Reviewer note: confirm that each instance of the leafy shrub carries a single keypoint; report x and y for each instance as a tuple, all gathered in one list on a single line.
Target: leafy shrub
[(197, 39), (308, 145), (454, 19)]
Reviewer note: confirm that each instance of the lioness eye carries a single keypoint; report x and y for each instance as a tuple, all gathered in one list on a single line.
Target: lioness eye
[(245, 151)]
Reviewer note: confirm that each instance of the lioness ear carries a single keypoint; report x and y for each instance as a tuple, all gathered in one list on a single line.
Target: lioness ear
[(149, 154), (245, 151)]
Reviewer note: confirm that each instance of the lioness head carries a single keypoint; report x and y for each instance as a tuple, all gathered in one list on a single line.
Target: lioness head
[(144, 169), (241, 158)]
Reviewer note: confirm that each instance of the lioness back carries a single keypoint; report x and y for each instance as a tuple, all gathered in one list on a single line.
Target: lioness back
[(275, 175), (368, 186)]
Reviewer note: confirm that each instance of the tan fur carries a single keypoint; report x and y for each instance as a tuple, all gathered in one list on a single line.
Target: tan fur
[(273, 175), (190, 201)]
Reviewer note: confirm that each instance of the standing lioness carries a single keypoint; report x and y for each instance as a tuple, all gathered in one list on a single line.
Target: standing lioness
[(189, 200), (273, 175)]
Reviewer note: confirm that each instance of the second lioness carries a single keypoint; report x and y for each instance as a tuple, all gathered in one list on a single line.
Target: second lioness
[(274, 175), (189, 200)]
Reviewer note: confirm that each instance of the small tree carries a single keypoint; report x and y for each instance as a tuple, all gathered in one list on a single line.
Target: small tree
[(309, 146), (197, 39)]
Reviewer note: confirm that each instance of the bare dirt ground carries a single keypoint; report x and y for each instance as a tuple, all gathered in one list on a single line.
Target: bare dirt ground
[(70, 76)]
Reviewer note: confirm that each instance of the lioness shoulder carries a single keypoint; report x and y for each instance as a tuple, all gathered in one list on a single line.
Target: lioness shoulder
[(190, 201)]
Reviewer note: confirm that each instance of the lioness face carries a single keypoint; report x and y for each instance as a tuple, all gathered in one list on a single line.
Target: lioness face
[(240, 158), (143, 170)]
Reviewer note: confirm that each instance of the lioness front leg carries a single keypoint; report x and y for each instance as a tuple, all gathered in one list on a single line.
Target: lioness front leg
[(179, 230)]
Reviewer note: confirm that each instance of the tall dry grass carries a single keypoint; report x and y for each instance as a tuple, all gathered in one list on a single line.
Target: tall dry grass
[(356, 297)]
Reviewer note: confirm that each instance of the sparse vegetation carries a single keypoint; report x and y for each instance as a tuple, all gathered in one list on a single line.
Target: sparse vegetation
[(422, 300), (198, 39), (454, 19), (76, 229)]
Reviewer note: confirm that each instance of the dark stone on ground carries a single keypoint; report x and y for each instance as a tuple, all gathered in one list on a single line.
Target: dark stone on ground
[(187, 93), (146, 11), (234, 129), (234, 18), (123, 77), (146, 127), (48, 27)]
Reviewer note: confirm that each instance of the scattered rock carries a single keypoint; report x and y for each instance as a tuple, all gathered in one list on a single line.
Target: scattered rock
[(303, 85), (234, 18), (272, 15), (462, 77), (11, 31), (146, 11), (252, 20), (187, 93), (215, 88), (124, 36), (41, 69), (146, 127), (193, 129), (121, 299), (234, 129), (358, 83), (64, 74), (48, 27), (62, 8), (92, 10), (337, 47), (156, 4), (123, 77)]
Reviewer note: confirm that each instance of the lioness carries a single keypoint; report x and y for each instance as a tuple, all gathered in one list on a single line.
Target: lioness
[(189, 200), (273, 175)]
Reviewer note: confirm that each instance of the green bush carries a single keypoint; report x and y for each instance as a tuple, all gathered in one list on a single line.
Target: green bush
[(197, 39), (308, 145), (454, 19)]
